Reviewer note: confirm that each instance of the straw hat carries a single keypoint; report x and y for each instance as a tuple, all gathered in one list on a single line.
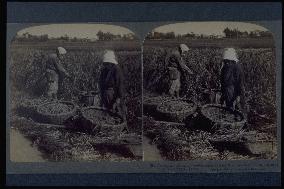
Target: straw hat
[(61, 50), (230, 54), (109, 56), (183, 48)]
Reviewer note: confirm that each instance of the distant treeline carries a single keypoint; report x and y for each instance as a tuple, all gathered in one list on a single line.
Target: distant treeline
[(101, 36), (228, 33), (265, 42)]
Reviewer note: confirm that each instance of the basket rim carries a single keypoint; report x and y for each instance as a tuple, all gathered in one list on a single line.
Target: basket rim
[(146, 100), (61, 114), (209, 89), (177, 99), (219, 106), (102, 109)]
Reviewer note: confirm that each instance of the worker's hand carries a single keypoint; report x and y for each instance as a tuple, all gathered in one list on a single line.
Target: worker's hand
[(118, 101), (68, 75), (238, 100), (189, 71)]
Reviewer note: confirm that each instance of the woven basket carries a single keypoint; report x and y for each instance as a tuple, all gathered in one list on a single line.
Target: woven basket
[(27, 109), (150, 104), (216, 125), (175, 116), (58, 119), (92, 126)]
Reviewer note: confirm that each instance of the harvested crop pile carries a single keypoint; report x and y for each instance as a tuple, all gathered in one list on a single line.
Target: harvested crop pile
[(218, 114), (27, 106), (59, 144), (101, 117), (32, 102), (176, 106), (233, 137), (152, 100), (229, 155), (258, 136), (177, 143), (241, 136), (55, 108)]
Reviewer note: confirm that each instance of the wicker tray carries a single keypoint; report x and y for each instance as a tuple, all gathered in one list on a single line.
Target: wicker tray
[(93, 126), (222, 124), (55, 118), (176, 116), (150, 104)]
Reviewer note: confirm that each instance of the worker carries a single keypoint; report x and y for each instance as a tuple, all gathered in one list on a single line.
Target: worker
[(232, 81), (111, 85), (173, 70), (176, 68), (182, 51), (55, 73)]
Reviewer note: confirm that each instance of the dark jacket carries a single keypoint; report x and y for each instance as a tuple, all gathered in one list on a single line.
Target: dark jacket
[(232, 75), (112, 77)]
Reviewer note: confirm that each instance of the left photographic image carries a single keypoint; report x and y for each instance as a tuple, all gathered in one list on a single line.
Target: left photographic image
[(75, 94)]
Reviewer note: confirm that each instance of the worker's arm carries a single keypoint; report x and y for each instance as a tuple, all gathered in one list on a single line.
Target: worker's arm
[(60, 67), (184, 66)]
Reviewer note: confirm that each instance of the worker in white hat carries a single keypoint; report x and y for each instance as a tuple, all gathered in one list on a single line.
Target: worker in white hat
[(111, 85), (55, 72), (232, 80), (183, 48)]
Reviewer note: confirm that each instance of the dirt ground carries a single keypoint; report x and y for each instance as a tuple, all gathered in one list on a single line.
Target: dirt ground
[(151, 152), (21, 149)]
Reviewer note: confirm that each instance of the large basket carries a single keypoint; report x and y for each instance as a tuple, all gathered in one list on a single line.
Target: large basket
[(28, 107), (179, 115), (219, 123), (94, 126), (150, 104), (58, 119)]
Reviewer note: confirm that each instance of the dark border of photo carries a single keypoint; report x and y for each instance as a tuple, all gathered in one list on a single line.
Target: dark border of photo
[(48, 12)]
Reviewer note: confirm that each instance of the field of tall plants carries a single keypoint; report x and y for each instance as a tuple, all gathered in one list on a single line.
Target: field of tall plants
[(27, 83), (259, 70), (27, 69)]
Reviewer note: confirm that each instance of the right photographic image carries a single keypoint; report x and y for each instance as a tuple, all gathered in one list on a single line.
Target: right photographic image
[(209, 92)]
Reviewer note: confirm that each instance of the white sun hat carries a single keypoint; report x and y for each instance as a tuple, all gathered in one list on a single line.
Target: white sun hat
[(61, 50), (230, 54), (109, 56), (183, 47)]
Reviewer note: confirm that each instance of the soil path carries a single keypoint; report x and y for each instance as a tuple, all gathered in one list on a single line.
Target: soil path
[(151, 152), (22, 150)]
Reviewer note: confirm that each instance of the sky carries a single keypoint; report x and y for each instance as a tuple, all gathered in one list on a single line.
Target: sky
[(208, 28), (75, 30)]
